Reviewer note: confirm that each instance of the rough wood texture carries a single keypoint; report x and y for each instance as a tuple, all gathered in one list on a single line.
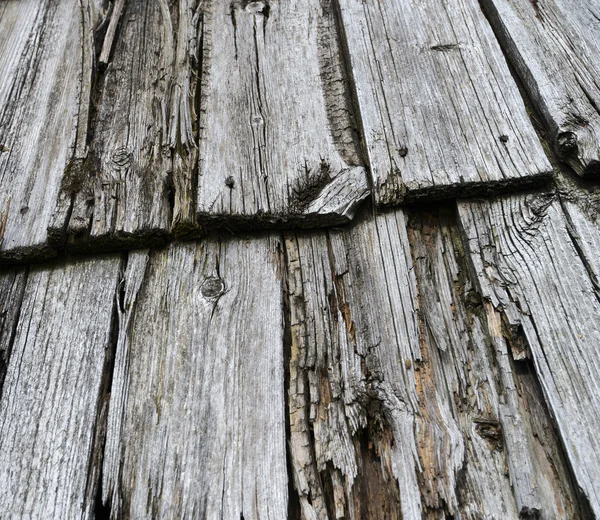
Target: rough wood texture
[(197, 424), (12, 285), (352, 397), (143, 147), (278, 142), (45, 58), (512, 463), (520, 247), (440, 111), (554, 45), (53, 392)]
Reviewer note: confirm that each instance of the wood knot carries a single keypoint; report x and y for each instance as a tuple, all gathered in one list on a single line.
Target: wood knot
[(121, 158), (230, 182), (504, 138), (566, 142), (212, 287), (257, 7)]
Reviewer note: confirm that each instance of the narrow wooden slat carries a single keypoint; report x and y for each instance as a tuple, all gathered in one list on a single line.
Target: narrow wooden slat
[(46, 60), (555, 47), (440, 111), (278, 141), (196, 424), (53, 392), (352, 398), (12, 285), (529, 270), (494, 402), (144, 140)]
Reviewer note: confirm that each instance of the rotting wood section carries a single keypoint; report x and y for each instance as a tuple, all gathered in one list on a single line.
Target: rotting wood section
[(554, 45), (55, 389), (196, 424), (45, 59), (278, 139), (440, 111), (519, 247), (143, 148)]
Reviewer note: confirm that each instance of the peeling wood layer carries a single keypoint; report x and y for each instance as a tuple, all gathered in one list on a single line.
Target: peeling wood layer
[(440, 111), (53, 391), (278, 139), (46, 60), (196, 424), (520, 248), (554, 46)]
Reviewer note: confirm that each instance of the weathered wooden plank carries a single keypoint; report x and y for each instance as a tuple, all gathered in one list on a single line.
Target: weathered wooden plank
[(54, 391), (197, 423), (520, 247), (143, 147), (46, 51), (440, 111), (513, 464), (554, 47), (353, 399), (278, 140), (12, 285)]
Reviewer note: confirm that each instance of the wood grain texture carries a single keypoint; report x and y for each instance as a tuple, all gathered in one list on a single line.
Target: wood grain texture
[(12, 285), (278, 140), (144, 133), (53, 392), (441, 114), (46, 59), (554, 45), (353, 399), (529, 270), (196, 423), (512, 463)]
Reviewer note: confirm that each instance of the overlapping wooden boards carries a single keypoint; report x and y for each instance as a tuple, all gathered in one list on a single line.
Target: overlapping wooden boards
[(54, 390), (278, 141), (45, 58), (143, 133), (441, 114), (555, 47), (528, 268), (197, 423)]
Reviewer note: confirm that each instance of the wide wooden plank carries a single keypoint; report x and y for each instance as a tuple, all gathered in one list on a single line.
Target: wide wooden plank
[(12, 285), (529, 270), (353, 398), (513, 464), (278, 138), (46, 51), (440, 111), (144, 133), (54, 391), (197, 423), (554, 45)]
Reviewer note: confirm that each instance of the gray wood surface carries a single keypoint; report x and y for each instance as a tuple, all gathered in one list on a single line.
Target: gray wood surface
[(440, 111), (196, 423), (529, 270), (278, 139), (353, 393), (54, 391), (45, 59), (554, 45), (143, 138), (510, 460)]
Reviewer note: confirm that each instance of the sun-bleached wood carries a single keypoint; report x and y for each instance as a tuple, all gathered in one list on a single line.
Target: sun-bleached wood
[(512, 463), (278, 140), (196, 423), (54, 391), (554, 45), (143, 138), (441, 114), (46, 58), (519, 247)]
